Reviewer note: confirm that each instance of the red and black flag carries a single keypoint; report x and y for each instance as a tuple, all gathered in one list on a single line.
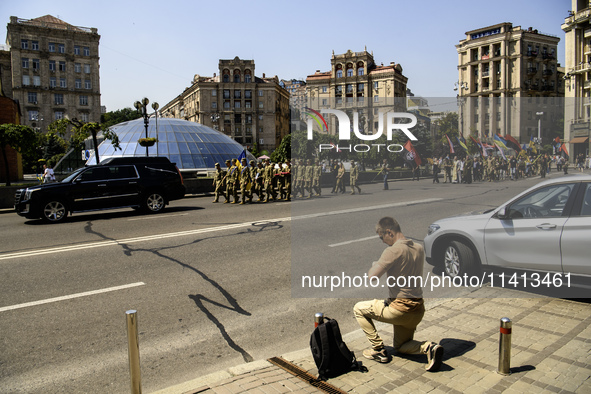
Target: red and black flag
[(512, 143), (411, 156)]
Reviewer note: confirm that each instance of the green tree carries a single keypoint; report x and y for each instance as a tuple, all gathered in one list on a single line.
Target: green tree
[(112, 118), (254, 149), (283, 152), (21, 138)]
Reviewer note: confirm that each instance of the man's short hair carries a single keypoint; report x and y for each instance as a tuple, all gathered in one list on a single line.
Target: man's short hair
[(388, 223)]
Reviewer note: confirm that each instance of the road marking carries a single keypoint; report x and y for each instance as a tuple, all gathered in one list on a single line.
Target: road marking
[(115, 242), (158, 216), (69, 297), (353, 241)]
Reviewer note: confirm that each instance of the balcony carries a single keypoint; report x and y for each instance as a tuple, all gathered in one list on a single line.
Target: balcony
[(547, 73), (548, 56), (532, 54)]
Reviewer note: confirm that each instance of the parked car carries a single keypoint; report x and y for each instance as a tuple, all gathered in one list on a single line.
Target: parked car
[(547, 228), (147, 183)]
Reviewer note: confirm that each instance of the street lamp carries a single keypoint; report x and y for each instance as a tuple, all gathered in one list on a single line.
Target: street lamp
[(141, 107), (539, 141), (458, 87), (215, 118), (155, 107)]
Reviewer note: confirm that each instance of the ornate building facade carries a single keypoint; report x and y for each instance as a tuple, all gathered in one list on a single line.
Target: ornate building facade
[(509, 83), (245, 107), (53, 70), (356, 83), (577, 116)]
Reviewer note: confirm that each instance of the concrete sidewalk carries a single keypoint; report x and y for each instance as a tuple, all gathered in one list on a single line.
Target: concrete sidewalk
[(551, 352)]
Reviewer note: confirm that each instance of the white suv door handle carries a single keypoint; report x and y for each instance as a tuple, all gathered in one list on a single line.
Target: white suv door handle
[(546, 226)]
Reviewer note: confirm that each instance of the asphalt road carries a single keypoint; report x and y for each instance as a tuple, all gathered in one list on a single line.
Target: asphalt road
[(212, 283)]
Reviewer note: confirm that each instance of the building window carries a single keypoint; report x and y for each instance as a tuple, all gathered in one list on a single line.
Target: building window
[(260, 93), (52, 65), (87, 84), (78, 84), (247, 104), (35, 45), (214, 93), (86, 51), (63, 83), (248, 94), (324, 101), (58, 99), (261, 104), (247, 78), (236, 78), (226, 104), (214, 104), (36, 64), (36, 80), (84, 100), (76, 49), (77, 67), (24, 44), (87, 69), (32, 97), (62, 66), (339, 73), (376, 98), (51, 47), (61, 48), (25, 62), (26, 80), (237, 104), (34, 115), (57, 115), (237, 94), (324, 89), (52, 82), (226, 78), (84, 117), (350, 72), (226, 93)]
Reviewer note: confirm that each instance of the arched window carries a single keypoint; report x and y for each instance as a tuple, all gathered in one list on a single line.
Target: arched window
[(339, 73), (236, 76), (226, 76), (247, 76), (350, 71), (360, 69)]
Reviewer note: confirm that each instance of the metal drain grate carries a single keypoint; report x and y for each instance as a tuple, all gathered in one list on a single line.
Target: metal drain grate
[(305, 376)]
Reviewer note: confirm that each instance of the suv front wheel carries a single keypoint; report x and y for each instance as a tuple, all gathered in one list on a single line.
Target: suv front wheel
[(154, 202), (54, 211)]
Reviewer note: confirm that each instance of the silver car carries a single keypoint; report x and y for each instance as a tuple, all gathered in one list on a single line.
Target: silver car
[(547, 228)]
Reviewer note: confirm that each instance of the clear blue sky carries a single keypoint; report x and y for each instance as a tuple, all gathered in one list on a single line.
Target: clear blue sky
[(154, 48)]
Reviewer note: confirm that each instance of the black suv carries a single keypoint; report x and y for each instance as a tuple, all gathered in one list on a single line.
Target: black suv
[(147, 183)]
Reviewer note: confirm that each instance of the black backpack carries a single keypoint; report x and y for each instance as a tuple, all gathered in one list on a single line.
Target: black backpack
[(331, 354)]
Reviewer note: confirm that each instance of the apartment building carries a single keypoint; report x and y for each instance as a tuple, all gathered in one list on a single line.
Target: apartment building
[(577, 116), (245, 107), (509, 83), (52, 69), (356, 83)]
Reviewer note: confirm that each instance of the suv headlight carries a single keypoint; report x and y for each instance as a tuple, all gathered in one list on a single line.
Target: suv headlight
[(433, 228), (28, 194)]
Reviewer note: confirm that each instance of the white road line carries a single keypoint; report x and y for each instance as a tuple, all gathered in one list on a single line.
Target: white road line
[(61, 249), (353, 241), (69, 297), (157, 216)]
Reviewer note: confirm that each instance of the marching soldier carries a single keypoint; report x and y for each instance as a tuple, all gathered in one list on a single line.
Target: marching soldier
[(268, 180), (316, 177), (254, 188), (354, 174), (245, 183), (218, 182), (308, 176), (287, 175), (232, 181), (447, 165)]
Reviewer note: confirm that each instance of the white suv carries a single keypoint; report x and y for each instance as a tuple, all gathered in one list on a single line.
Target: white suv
[(547, 228)]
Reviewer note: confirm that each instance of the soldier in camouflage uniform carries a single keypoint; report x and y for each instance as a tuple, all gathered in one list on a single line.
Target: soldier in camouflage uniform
[(353, 176), (316, 177), (232, 181), (245, 183), (295, 168), (308, 177), (254, 187), (279, 179), (268, 180), (287, 179), (447, 166), (218, 182)]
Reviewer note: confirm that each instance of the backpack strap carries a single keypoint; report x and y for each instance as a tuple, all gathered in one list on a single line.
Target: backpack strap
[(322, 330)]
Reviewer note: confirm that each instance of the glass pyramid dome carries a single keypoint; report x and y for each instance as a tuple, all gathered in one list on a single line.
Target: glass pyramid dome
[(192, 146)]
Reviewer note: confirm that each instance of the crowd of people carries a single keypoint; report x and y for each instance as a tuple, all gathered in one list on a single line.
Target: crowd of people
[(240, 181), (495, 168)]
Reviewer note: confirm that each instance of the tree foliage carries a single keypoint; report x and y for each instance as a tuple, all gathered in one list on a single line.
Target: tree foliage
[(21, 138), (283, 152), (112, 118)]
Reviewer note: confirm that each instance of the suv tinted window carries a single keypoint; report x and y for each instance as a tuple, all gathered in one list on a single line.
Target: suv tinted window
[(95, 174), (122, 172)]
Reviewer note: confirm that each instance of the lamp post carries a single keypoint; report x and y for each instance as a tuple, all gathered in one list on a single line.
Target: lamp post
[(458, 87), (215, 118), (540, 114), (141, 107), (155, 107)]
